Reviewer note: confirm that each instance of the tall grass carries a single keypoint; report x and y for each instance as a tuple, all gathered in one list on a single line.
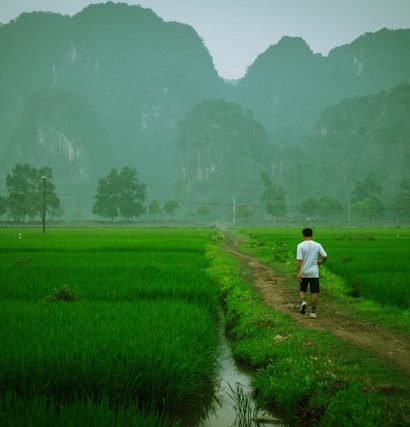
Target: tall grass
[(160, 264), (148, 353), (141, 332), (18, 412), (373, 264), (108, 276)]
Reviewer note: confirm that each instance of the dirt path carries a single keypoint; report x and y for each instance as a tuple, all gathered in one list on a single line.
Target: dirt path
[(277, 293)]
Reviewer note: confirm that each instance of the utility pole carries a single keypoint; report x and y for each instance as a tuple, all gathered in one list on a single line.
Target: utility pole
[(44, 179), (233, 210)]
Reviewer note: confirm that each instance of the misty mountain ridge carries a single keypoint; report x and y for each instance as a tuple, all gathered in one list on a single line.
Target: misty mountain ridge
[(288, 85), (65, 127), (129, 64), (369, 133), (115, 84)]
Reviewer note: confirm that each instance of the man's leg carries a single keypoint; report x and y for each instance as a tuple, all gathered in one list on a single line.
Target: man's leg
[(313, 302), (314, 289), (302, 293)]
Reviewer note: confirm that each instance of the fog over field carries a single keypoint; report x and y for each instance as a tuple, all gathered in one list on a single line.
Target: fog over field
[(158, 162), (243, 112)]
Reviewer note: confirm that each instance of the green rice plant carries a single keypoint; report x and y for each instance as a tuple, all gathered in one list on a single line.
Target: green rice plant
[(104, 273), (106, 239), (39, 411), (112, 277), (371, 263), (389, 288), (142, 334), (158, 355), (245, 408)]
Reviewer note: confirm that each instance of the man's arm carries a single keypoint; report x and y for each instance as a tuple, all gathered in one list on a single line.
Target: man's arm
[(299, 267), (322, 260)]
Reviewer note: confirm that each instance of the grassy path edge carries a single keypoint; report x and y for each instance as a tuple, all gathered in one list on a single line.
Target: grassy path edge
[(280, 292), (310, 377), (281, 258)]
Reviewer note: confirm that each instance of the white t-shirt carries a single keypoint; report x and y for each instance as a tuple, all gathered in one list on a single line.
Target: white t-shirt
[(308, 251)]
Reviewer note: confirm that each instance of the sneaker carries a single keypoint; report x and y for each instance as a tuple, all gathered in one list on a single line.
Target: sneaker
[(303, 307), (313, 315)]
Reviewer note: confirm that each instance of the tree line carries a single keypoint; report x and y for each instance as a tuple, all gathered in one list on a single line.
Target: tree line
[(30, 190), (120, 194), (364, 205)]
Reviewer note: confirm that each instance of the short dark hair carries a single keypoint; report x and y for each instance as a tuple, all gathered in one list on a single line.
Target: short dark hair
[(307, 232)]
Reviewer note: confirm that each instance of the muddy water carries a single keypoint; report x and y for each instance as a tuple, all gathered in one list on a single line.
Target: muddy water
[(224, 414)]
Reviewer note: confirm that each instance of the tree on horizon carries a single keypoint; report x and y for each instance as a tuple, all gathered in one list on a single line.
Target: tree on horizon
[(25, 187), (120, 194)]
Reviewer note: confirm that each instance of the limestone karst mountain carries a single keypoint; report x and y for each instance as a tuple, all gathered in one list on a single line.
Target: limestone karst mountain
[(112, 86)]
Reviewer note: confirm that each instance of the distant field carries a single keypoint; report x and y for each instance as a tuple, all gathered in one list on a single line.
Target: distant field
[(373, 262), (138, 343), (138, 340)]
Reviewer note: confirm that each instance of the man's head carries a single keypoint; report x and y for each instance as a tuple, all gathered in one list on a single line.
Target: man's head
[(307, 232)]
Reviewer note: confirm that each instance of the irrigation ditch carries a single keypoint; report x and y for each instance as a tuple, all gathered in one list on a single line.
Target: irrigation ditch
[(234, 405)]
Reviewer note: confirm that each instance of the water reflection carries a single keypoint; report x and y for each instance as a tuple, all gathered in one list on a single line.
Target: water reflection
[(233, 405), (224, 412)]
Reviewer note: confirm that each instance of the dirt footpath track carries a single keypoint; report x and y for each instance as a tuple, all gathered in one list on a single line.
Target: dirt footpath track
[(277, 294)]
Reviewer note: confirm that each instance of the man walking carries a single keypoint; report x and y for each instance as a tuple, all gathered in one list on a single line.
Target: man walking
[(308, 262)]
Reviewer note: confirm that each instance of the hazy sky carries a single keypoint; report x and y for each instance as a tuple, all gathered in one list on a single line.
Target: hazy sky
[(237, 31)]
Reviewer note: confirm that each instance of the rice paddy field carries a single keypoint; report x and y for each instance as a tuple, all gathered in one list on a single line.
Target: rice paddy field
[(371, 261), (104, 327), (111, 327)]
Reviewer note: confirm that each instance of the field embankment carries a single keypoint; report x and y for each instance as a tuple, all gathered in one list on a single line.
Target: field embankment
[(304, 368), (336, 317)]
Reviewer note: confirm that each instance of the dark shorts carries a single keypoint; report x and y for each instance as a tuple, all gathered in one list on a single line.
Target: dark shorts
[(313, 283)]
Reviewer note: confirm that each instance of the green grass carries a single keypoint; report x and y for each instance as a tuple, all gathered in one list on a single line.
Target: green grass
[(140, 336), (158, 264), (18, 412), (373, 263), (82, 349), (107, 275), (138, 344), (310, 377)]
